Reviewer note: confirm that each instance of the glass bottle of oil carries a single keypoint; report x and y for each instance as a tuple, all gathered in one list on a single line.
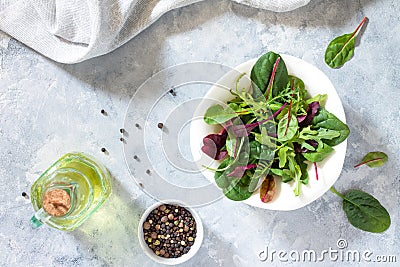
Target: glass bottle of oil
[(84, 182)]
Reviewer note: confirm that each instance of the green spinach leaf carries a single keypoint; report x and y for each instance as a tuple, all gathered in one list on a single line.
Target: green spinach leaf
[(303, 168), (319, 155), (325, 119), (341, 49), (374, 159), (364, 211), (297, 180), (239, 190), (220, 177), (262, 70)]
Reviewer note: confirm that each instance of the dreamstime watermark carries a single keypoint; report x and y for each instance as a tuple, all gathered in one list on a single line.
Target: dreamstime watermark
[(338, 254)]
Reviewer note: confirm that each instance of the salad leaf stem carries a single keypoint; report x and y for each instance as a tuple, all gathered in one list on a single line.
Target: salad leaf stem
[(373, 159), (290, 108), (271, 81), (239, 129), (368, 161), (282, 145), (316, 170), (341, 49), (337, 193), (238, 80), (359, 27), (351, 37)]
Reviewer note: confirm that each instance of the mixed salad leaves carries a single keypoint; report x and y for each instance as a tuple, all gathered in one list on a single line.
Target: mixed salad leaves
[(272, 129)]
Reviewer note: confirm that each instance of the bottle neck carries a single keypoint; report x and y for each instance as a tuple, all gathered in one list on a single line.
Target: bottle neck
[(59, 200)]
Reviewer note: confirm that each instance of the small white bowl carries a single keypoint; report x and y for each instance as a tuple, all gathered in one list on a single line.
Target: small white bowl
[(171, 261)]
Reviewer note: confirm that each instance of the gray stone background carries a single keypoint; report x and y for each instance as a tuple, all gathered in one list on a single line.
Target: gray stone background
[(48, 109)]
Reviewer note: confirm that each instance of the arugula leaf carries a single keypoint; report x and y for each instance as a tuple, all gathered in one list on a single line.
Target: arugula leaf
[(318, 98), (325, 119), (299, 85), (341, 49), (319, 155), (297, 180), (282, 154), (262, 70), (303, 168), (264, 139), (373, 159), (275, 171), (316, 135), (327, 134), (216, 114)]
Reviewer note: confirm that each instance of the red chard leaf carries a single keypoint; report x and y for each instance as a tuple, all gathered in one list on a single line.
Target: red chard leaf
[(268, 188), (312, 110), (239, 170), (213, 143)]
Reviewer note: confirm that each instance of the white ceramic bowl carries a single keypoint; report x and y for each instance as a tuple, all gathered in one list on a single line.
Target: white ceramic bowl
[(316, 82), (171, 261)]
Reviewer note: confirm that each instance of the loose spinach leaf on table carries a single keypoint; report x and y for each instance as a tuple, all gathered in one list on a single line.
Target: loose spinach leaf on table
[(341, 49), (325, 119), (262, 70), (373, 159), (364, 211)]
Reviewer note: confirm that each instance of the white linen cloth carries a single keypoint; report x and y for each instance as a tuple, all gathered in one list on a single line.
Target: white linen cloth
[(71, 31)]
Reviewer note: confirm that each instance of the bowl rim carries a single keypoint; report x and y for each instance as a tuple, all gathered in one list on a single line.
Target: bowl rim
[(304, 70), (185, 257)]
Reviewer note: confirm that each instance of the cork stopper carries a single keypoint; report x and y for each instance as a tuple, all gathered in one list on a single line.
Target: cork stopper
[(56, 202)]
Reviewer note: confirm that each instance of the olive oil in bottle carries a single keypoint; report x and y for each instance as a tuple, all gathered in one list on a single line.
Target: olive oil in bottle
[(67, 193)]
